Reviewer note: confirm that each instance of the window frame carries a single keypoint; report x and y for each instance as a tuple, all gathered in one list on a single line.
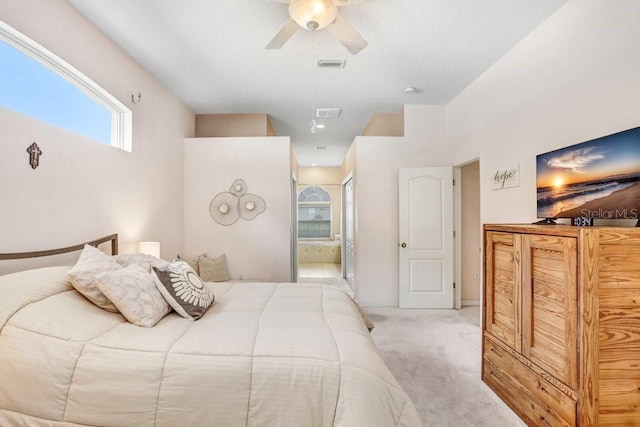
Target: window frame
[(121, 116), (319, 204)]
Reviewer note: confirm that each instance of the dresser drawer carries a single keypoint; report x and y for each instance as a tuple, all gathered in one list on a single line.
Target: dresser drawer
[(535, 399)]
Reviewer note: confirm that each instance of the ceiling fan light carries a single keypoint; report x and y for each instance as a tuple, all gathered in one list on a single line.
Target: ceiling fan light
[(313, 14)]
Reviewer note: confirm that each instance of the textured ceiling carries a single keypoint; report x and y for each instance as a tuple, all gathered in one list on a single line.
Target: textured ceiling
[(211, 54)]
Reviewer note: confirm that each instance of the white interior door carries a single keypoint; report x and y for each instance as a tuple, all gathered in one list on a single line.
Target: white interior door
[(426, 237)]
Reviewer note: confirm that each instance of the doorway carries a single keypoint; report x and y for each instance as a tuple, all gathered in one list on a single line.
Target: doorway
[(294, 228), (348, 233), (318, 243), (319, 202), (469, 245)]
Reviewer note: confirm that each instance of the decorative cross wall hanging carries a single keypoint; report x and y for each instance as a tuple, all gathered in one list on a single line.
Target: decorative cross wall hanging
[(34, 155)]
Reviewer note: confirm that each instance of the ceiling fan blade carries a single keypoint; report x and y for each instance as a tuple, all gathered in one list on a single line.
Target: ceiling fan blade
[(347, 35), (285, 33)]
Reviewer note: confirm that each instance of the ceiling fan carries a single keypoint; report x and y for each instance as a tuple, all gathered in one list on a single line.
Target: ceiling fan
[(315, 15)]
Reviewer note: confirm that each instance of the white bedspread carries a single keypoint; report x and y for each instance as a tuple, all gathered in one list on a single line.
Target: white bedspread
[(266, 354)]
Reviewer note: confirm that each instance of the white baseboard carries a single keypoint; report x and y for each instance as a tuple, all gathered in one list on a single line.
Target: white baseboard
[(470, 302)]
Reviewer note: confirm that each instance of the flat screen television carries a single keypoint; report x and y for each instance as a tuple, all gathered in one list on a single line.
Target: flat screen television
[(594, 179)]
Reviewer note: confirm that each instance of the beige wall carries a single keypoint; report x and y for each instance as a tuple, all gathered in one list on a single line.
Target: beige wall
[(575, 78), (375, 163), (83, 189), (470, 233), (233, 125), (331, 180), (349, 163), (257, 249), (385, 124), (294, 162)]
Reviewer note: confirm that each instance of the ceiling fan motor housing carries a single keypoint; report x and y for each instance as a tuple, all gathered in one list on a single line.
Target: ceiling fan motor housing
[(313, 14)]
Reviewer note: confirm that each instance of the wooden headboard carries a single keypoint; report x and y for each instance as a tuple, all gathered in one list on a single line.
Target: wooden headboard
[(113, 238)]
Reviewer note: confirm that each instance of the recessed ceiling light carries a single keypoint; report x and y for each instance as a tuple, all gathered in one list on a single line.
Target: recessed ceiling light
[(321, 147), (314, 164), (320, 126)]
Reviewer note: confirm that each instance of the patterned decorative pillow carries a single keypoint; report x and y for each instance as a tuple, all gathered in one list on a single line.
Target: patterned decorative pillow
[(183, 289), (133, 290), (92, 262), (213, 270), (143, 260)]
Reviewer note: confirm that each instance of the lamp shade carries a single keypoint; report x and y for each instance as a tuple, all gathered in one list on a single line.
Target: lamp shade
[(149, 248), (313, 14)]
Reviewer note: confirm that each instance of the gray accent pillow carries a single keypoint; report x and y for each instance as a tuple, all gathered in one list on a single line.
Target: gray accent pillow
[(213, 270), (183, 289)]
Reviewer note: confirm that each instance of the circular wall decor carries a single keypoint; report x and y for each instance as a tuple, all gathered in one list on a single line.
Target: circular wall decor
[(239, 187), (228, 206), (224, 208), (251, 206)]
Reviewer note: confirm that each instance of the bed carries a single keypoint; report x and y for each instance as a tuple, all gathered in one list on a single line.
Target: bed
[(264, 354)]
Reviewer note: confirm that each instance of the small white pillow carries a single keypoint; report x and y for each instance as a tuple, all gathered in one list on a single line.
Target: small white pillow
[(92, 262), (183, 289), (134, 291)]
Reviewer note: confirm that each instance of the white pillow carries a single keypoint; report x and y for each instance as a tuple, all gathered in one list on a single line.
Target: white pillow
[(183, 289), (92, 262), (134, 291), (145, 261)]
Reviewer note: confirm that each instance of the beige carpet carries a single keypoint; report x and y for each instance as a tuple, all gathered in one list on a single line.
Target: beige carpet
[(435, 356)]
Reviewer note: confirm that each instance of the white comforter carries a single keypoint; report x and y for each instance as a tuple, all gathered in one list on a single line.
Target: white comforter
[(266, 354)]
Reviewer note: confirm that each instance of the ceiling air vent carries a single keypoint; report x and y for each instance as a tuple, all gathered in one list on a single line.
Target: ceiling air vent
[(327, 112), (331, 63)]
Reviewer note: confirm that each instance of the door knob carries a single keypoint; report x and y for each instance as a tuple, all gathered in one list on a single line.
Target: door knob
[(404, 245)]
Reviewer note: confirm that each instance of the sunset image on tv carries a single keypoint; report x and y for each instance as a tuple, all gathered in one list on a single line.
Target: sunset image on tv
[(596, 179)]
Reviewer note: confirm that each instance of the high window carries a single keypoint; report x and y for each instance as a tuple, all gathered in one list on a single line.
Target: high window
[(314, 213), (37, 83)]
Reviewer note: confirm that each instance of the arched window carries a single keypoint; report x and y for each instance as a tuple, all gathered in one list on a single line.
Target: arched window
[(314, 213), (314, 194), (39, 84)]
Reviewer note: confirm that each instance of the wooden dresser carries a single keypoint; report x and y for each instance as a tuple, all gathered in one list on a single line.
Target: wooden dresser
[(561, 326)]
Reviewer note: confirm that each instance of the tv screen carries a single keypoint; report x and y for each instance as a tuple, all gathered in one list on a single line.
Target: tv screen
[(596, 179)]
